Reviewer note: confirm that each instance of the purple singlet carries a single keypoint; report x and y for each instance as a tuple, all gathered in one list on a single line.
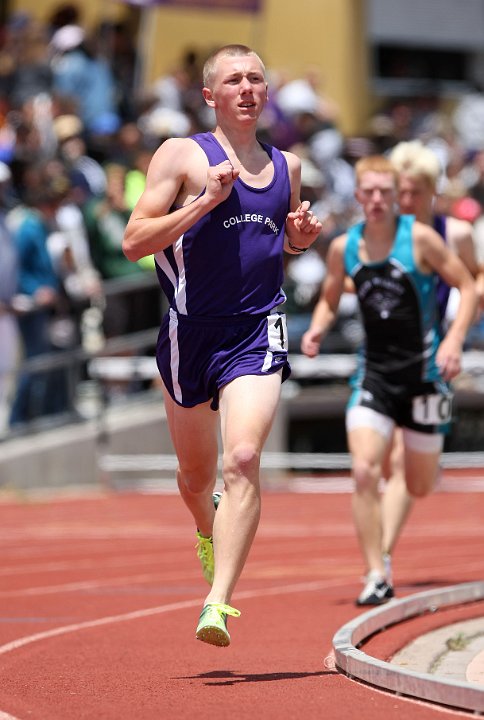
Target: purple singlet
[(223, 280), (230, 262)]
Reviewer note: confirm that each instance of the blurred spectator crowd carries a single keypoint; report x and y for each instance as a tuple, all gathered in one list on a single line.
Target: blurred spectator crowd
[(76, 138)]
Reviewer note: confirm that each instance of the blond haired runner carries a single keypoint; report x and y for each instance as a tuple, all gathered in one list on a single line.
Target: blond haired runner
[(402, 380), (419, 171), (218, 212)]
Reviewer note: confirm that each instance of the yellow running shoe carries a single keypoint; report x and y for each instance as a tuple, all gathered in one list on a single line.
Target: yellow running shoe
[(204, 548), (212, 625), (205, 555)]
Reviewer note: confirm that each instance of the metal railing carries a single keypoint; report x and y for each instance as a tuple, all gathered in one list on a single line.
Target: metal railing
[(130, 358), (73, 362)]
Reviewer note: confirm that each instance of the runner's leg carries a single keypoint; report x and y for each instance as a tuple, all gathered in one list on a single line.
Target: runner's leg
[(194, 433), (247, 406)]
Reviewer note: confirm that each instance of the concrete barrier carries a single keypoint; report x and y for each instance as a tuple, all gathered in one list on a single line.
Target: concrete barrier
[(69, 456)]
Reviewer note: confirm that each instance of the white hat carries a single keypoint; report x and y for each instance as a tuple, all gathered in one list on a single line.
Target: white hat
[(165, 122), (5, 173), (297, 97), (311, 176), (67, 38)]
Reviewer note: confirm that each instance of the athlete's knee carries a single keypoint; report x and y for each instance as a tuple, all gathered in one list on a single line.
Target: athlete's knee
[(366, 475), (242, 460), (419, 490), (419, 485)]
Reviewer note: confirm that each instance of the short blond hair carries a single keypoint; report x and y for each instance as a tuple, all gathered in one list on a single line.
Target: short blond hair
[(374, 163), (226, 50), (415, 159)]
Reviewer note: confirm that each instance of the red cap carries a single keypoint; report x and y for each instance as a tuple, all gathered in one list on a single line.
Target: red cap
[(466, 208)]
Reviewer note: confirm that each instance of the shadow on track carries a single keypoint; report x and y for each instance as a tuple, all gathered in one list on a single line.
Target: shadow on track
[(228, 677)]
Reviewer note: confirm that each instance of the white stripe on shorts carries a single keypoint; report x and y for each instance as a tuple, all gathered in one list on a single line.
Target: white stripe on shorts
[(174, 355), (266, 365), (178, 282), (181, 289)]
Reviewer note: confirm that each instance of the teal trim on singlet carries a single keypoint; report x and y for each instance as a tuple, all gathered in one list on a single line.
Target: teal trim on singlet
[(399, 308)]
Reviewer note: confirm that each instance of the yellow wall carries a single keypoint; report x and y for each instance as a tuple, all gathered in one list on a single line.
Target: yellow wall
[(324, 34), (290, 37), (91, 11), (169, 32)]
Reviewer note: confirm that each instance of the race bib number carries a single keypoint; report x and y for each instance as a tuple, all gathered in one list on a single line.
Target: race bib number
[(432, 409), (277, 332)]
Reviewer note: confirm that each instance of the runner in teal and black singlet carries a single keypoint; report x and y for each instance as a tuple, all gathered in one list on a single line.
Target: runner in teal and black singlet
[(405, 365), (399, 308)]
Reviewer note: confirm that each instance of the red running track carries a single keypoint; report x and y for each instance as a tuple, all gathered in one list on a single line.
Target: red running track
[(100, 596)]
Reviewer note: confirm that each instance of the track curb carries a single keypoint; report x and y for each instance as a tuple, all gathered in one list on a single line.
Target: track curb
[(354, 663)]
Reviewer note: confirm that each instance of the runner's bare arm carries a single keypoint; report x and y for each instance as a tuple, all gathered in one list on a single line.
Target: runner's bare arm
[(302, 226), (177, 174), (460, 236), (436, 255), (325, 311)]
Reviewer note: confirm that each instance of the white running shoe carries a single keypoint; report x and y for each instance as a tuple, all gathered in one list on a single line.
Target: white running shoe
[(376, 591)]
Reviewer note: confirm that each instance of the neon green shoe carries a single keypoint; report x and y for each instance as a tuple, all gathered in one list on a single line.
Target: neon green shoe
[(212, 626), (204, 548)]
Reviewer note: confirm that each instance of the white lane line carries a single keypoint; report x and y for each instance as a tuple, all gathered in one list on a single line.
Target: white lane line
[(313, 586), (85, 564), (170, 607), (255, 570), (83, 585)]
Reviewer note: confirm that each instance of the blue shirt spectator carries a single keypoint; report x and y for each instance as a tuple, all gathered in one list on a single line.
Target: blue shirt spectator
[(84, 78), (36, 269)]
